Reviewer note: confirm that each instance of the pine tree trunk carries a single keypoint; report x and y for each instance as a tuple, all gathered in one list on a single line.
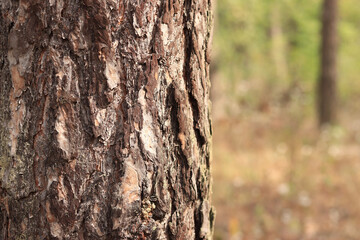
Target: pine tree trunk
[(327, 94), (105, 126)]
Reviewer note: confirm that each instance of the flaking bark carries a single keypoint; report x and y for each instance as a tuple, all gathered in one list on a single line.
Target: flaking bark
[(105, 123)]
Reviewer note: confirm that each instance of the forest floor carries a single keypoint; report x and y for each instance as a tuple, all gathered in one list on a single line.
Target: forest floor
[(277, 177)]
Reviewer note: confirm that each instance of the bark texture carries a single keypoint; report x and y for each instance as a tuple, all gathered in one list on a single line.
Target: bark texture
[(105, 123), (327, 93)]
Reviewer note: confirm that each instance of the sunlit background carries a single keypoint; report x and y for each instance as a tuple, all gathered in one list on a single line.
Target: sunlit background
[(276, 175)]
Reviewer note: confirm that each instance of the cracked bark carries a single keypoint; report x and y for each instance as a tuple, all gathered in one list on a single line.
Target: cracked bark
[(104, 119)]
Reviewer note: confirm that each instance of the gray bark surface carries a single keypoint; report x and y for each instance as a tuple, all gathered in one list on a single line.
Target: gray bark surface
[(105, 127)]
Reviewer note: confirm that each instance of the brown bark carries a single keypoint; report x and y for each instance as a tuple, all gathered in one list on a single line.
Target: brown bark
[(105, 123), (327, 94)]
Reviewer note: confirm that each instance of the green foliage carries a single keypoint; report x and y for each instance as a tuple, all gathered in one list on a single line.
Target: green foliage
[(276, 43), (349, 55)]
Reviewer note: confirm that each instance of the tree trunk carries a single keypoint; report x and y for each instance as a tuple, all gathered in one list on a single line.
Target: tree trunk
[(105, 126), (327, 96)]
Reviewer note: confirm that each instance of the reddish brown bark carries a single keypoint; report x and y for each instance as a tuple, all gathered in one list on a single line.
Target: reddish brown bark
[(105, 123)]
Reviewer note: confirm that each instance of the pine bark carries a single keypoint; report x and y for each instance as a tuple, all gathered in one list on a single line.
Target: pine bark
[(104, 119), (327, 89)]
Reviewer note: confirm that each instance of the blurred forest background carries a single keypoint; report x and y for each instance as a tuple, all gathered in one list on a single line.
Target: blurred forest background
[(276, 174)]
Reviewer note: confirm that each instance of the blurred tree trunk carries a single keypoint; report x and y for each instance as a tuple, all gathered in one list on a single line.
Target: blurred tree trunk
[(327, 93), (105, 126)]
